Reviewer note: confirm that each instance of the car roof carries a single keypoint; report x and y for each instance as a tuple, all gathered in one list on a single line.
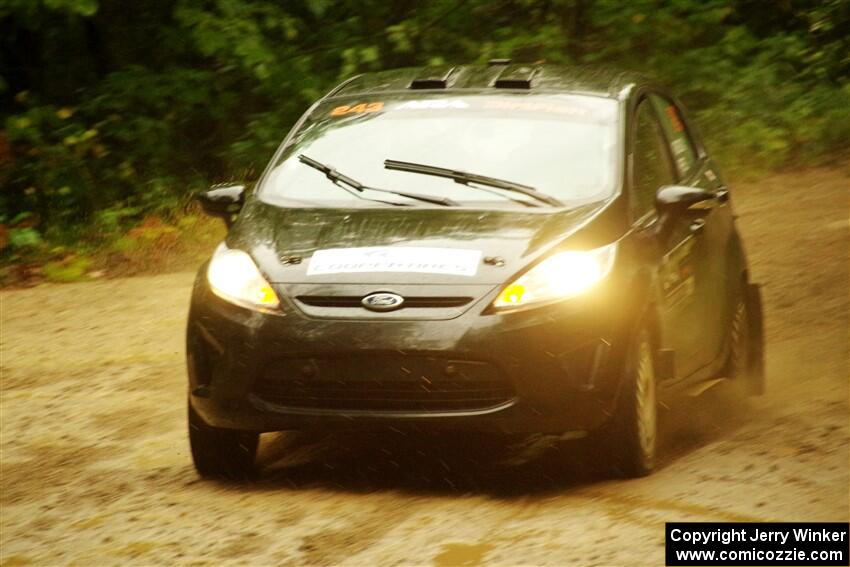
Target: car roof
[(500, 75)]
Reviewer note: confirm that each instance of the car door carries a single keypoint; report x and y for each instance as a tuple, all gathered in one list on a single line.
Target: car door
[(695, 265), (652, 169)]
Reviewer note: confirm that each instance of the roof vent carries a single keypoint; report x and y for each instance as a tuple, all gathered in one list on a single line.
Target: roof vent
[(516, 77), (433, 78)]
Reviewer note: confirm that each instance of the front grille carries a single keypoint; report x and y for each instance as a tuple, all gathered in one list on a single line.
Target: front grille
[(384, 383), (354, 301)]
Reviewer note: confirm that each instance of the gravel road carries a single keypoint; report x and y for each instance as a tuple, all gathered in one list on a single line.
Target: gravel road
[(96, 467)]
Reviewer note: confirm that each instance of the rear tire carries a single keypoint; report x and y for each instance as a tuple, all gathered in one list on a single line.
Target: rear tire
[(631, 438), (738, 365), (745, 366), (746, 343), (221, 453)]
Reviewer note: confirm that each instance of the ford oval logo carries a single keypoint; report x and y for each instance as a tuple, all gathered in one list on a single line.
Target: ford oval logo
[(382, 301)]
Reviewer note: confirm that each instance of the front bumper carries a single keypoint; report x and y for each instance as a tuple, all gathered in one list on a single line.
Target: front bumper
[(550, 369)]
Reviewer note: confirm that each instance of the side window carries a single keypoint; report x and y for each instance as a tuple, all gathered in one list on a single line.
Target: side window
[(681, 145), (651, 166)]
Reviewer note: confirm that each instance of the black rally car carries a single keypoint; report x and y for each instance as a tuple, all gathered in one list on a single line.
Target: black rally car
[(513, 248)]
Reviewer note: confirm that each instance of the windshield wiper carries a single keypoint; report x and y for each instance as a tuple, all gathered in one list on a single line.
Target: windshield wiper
[(338, 178), (466, 178)]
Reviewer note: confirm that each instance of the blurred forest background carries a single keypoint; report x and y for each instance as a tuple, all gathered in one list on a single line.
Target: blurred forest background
[(112, 111)]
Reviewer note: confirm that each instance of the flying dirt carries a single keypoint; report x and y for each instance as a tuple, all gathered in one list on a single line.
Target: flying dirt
[(96, 466)]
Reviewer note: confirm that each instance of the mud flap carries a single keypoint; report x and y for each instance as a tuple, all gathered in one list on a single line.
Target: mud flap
[(756, 376)]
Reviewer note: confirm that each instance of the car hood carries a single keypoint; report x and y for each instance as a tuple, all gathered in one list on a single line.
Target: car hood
[(285, 241)]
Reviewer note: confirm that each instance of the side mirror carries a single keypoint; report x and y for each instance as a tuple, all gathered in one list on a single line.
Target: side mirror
[(224, 201), (677, 199)]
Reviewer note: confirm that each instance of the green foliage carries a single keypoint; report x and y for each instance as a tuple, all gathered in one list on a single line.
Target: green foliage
[(109, 114), (24, 238), (71, 269)]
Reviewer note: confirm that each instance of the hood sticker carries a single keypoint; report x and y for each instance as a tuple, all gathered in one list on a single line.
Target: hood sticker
[(451, 261)]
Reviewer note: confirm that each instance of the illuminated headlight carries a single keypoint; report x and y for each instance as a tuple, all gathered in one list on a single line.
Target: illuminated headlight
[(234, 276), (562, 275)]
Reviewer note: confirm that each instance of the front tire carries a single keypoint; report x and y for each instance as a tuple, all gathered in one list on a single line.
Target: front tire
[(631, 438), (221, 453)]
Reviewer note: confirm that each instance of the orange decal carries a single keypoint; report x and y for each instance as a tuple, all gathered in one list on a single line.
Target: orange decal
[(357, 109), (674, 119)]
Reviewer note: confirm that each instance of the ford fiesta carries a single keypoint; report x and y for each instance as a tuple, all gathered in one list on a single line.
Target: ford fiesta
[(510, 248)]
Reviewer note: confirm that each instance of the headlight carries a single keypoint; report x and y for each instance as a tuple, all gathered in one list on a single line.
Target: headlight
[(562, 275), (233, 276)]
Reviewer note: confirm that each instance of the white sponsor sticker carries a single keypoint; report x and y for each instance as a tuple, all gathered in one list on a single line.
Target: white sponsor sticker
[(429, 104), (453, 261)]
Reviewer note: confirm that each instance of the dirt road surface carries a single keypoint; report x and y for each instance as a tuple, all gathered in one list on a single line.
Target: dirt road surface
[(96, 468)]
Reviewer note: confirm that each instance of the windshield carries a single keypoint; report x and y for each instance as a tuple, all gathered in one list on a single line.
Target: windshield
[(561, 145)]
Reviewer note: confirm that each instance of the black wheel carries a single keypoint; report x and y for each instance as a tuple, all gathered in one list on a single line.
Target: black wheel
[(221, 453), (738, 366), (745, 365), (631, 438)]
